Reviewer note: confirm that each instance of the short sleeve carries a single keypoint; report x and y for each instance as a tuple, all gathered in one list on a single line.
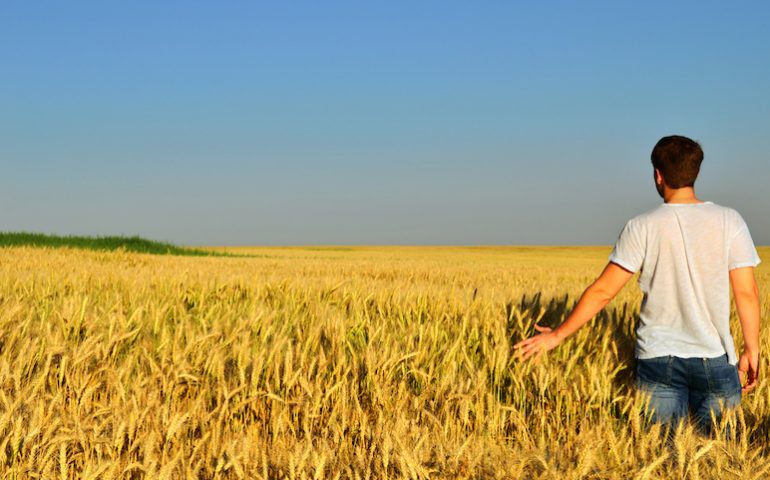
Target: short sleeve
[(630, 247), (741, 251)]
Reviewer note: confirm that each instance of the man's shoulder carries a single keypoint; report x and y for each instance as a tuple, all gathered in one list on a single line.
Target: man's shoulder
[(641, 219), (662, 211), (723, 208), (656, 220), (733, 218), (729, 212)]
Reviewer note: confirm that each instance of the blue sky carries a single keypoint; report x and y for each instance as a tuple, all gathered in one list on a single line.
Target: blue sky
[(374, 123)]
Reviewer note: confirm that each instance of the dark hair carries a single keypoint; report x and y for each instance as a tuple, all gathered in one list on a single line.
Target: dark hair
[(678, 159)]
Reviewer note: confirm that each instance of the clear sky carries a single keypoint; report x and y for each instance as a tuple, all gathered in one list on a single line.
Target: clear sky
[(414, 122)]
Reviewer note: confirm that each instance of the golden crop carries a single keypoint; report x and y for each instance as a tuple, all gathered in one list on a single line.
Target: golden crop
[(363, 363)]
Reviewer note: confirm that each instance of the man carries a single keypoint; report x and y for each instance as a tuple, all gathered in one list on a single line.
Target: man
[(688, 253)]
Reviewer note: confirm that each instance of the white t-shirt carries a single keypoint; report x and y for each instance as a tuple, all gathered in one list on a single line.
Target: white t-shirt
[(684, 253)]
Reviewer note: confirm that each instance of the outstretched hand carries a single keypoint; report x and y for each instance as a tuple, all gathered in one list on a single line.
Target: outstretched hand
[(544, 341), (593, 300)]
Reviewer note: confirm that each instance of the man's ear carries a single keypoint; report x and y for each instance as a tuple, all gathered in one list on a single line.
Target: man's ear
[(658, 177)]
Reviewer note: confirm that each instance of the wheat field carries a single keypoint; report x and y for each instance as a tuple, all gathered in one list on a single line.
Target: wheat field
[(310, 363)]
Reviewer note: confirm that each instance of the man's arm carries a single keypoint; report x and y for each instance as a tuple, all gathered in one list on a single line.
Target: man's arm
[(593, 300), (746, 295)]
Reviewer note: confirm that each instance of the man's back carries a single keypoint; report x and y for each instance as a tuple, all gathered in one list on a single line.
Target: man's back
[(684, 252)]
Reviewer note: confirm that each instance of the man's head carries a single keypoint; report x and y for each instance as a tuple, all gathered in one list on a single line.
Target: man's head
[(677, 159)]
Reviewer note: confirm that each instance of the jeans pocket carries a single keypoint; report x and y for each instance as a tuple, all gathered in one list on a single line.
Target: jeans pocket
[(653, 371), (724, 379)]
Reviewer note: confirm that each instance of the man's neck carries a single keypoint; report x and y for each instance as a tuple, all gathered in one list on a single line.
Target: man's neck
[(680, 195)]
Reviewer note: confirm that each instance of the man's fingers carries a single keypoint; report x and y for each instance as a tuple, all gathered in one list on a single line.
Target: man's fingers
[(523, 343), (529, 350), (526, 342), (536, 352), (529, 353), (524, 352), (752, 379), (529, 341), (750, 385), (521, 352)]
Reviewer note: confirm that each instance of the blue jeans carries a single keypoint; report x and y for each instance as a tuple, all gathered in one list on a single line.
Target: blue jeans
[(679, 386)]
